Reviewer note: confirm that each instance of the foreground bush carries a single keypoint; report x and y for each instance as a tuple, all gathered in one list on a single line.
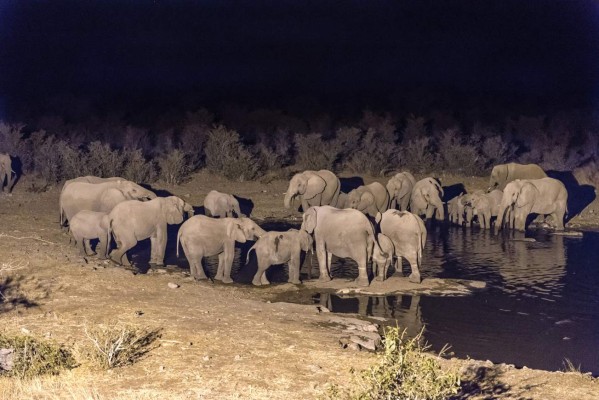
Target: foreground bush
[(119, 344), (33, 357), (403, 372)]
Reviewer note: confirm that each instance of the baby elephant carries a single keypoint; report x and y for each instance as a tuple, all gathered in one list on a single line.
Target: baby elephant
[(217, 204), (278, 248), (87, 225)]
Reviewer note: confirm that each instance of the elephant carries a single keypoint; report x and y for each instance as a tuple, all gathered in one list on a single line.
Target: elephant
[(457, 210), (545, 196), (502, 174), (103, 196), (426, 198), (408, 236), (278, 248), (6, 173), (400, 188), (87, 225), (382, 257), (485, 206), (369, 199), (341, 200), (202, 236), (313, 188), (218, 204), (343, 233), (91, 179), (134, 220)]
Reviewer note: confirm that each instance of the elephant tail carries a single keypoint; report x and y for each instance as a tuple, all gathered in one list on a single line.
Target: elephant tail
[(247, 258), (178, 241)]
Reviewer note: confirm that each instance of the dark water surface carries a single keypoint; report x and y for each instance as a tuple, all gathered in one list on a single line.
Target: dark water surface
[(541, 305)]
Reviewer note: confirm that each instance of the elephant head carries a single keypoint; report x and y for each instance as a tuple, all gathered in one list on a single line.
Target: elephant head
[(359, 199), (234, 205), (499, 174), (307, 184), (174, 208), (511, 192), (432, 192), (309, 220), (251, 230), (134, 191), (306, 241), (398, 187)]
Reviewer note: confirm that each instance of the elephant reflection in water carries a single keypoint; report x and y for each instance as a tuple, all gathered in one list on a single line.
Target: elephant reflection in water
[(403, 308)]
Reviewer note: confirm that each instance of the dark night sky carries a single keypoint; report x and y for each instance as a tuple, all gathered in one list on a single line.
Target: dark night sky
[(185, 54)]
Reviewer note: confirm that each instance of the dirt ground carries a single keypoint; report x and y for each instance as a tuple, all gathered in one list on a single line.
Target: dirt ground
[(218, 341)]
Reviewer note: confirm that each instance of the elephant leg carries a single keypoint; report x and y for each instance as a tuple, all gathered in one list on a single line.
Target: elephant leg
[(329, 262), (305, 205), (362, 271), (119, 255), (321, 254), (220, 271), (102, 248), (429, 212), (82, 247), (558, 217), (227, 265), (158, 247), (294, 270), (260, 275), (393, 203), (415, 274), (195, 266)]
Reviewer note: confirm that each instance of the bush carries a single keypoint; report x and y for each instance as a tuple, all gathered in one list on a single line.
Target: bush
[(225, 154), (403, 372), (119, 344), (32, 357), (46, 160), (173, 167), (137, 168), (101, 160), (459, 154), (315, 153), (418, 154), (376, 154)]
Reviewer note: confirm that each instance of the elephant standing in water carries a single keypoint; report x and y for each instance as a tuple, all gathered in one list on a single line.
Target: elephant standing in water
[(202, 236), (486, 206), (369, 199), (540, 196), (343, 233), (132, 220), (6, 173), (217, 204), (278, 248), (426, 199), (78, 196), (313, 188), (407, 234), (503, 174), (400, 189)]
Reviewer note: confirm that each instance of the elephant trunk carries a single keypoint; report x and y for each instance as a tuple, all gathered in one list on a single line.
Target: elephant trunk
[(288, 199), (440, 209), (500, 215)]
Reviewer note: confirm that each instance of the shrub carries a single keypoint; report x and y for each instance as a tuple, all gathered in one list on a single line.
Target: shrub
[(137, 168), (276, 153), (101, 160), (32, 357), (46, 160), (403, 372), (497, 151), (418, 154), (173, 167), (226, 154), (119, 344), (458, 154), (315, 153), (375, 155)]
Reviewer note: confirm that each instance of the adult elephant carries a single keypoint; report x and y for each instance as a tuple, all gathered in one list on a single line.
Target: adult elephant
[(400, 188), (91, 179), (6, 173), (132, 220), (343, 233), (202, 236), (426, 199), (313, 188), (78, 196), (503, 174), (546, 196), (218, 204), (369, 199), (407, 233)]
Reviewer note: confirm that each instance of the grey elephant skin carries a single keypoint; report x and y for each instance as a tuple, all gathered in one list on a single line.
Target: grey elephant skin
[(218, 204), (546, 196), (133, 220), (407, 233), (400, 188), (369, 199), (78, 196), (486, 206), (502, 174), (275, 248), (313, 188), (343, 233), (202, 236), (456, 209), (87, 225), (6, 173), (426, 199)]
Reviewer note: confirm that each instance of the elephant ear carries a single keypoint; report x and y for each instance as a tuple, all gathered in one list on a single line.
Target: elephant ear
[(366, 200), (305, 240), (309, 220), (235, 232), (378, 218), (525, 195), (173, 210), (314, 187)]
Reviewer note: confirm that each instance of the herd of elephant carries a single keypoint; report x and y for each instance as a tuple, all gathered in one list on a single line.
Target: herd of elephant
[(371, 223)]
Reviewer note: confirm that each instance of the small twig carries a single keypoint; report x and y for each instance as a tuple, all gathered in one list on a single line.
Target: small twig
[(26, 237)]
